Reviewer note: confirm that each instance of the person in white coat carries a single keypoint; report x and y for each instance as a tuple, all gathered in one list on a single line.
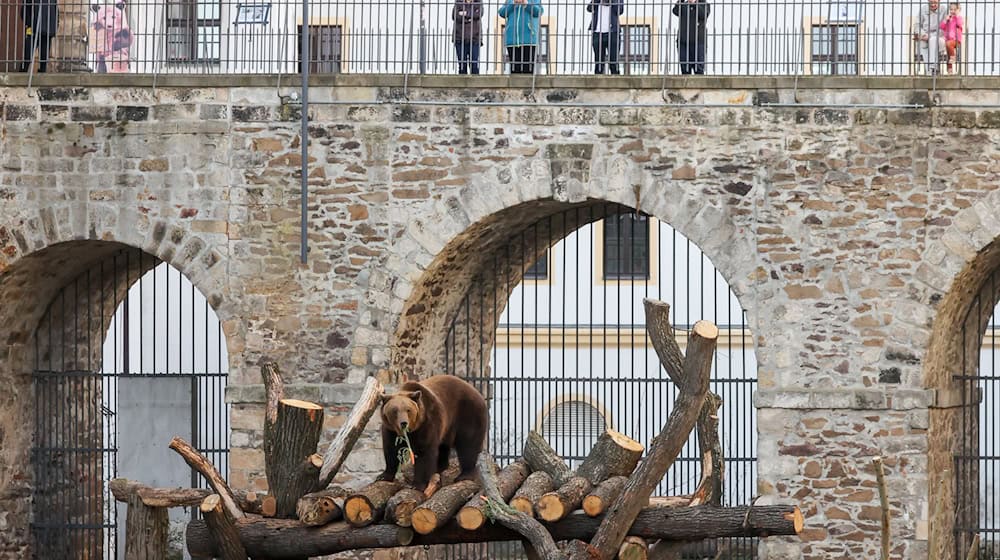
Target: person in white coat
[(927, 35)]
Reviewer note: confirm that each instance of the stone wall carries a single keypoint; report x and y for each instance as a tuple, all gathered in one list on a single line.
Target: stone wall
[(855, 225)]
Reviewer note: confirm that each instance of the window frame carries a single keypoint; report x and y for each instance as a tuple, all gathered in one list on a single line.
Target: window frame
[(569, 398), (315, 64), (547, 277), (653, 43), (600, 275), (809, 24), (190, 24)]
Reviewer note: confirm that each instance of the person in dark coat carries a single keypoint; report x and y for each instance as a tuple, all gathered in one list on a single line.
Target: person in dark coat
[(40, 22), (467, 33), (605, 28), (692, 38)]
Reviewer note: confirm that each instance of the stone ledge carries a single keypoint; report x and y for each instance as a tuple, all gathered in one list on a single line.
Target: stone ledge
[(326, 394), (506, 81), (850, 399)]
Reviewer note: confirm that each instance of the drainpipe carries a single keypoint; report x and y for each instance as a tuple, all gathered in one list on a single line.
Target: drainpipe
[(304, 184)]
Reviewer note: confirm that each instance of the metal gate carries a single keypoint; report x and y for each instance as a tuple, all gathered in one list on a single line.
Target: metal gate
[(128, 355), (977, 463), (570, 357)]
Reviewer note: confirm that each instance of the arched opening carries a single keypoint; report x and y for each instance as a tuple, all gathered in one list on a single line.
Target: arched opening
[(118, 352), (964, 441), (550, 321)]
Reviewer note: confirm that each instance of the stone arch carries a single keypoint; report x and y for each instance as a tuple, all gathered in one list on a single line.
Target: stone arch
[(444, 251), (39, 255), (956, 274)]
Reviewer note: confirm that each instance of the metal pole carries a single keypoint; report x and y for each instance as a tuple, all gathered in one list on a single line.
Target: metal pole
[(422, 45), (304, 72)]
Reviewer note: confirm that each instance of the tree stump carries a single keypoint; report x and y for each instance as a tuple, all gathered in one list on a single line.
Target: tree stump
[(227, 538), (146, 530)]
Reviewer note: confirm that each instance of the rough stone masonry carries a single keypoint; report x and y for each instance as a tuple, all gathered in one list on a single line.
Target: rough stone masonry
[(854, 224)]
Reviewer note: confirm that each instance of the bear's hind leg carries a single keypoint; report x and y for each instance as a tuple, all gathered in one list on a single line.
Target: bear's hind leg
[(467, 457), (423, 470), (444, 456)]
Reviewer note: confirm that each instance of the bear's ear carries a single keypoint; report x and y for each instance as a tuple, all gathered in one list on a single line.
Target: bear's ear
[(415, 395), (385, 398)]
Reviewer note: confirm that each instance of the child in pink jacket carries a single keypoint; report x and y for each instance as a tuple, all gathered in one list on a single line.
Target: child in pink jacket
[(952, 27)]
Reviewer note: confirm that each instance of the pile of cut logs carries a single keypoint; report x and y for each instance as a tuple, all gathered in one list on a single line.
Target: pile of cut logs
[(600, 510)]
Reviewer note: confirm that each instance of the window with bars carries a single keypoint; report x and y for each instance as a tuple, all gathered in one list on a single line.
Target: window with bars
[(326, 48), (635, 48), (194, 30), (540, 269), (572, 428), (834, 49), (626, 247)]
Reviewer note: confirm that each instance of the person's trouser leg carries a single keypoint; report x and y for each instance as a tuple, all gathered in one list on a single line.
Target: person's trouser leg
[(529, 59), (598, 53), (613, 47), (460, 55), (699, 57), (29, 52), (474, 55), (517, 59), (44, 48), (951, 47), (683, 52)]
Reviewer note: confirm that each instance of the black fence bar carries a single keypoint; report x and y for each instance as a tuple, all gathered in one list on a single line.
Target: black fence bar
[(562, 37)]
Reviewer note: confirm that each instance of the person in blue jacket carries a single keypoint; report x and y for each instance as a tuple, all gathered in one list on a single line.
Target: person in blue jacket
[(605, 29), (521, 33)]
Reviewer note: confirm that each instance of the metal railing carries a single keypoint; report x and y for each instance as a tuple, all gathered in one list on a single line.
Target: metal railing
[(654, 37)]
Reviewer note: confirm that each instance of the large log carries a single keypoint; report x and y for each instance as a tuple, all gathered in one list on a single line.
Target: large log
[(709, 490), (401, 506), (289, 448), (557, 504), (473, 514), (541, 457), (279, 539), (614, 454), (227, 538), (320, 508), (692, 384), (368, 505), (348, 435), (198, 462), (600, 498), (146, 530), (249, 502), (535, 486), (441, 507)]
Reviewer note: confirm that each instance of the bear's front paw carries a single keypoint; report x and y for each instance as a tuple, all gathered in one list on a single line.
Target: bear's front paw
[(387, 475)]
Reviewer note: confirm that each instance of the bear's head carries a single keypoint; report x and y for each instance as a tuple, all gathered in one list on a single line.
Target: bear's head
[(402, 411)]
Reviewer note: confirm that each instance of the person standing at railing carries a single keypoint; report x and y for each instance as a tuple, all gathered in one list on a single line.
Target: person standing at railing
[(952, 28), (521, 32), (930, 42), (467, 33), (605, 30), (40, 23), (692, 35)]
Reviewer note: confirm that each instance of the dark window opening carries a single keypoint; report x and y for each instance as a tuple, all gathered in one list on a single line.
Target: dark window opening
[(540, 269), (193, 31), (834, 49), (626, 247), (325, 48)]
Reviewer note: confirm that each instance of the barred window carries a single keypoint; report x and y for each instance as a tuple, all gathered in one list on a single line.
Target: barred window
[(539, 270), (834, 49), (635, 48), (325, 48), (626, 247), (573, 419), (193, 30)]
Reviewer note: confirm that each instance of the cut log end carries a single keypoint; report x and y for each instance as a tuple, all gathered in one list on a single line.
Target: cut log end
[(210, 503), (523, 505), (797, 519), (424, 521), (550, 507), (268, 506), (358, 511), (706, 329), (470, 518), (593, 506), (634, 548), (624, 441), (295, 403)]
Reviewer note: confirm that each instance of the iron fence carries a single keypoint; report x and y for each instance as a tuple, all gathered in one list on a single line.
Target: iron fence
[(552, 332), (649, 37)]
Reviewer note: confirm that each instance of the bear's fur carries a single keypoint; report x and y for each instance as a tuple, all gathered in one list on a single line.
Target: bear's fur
[(441, 413)]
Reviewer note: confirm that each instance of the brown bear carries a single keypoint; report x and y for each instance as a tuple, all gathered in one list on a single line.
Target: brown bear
[(440, 413)]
